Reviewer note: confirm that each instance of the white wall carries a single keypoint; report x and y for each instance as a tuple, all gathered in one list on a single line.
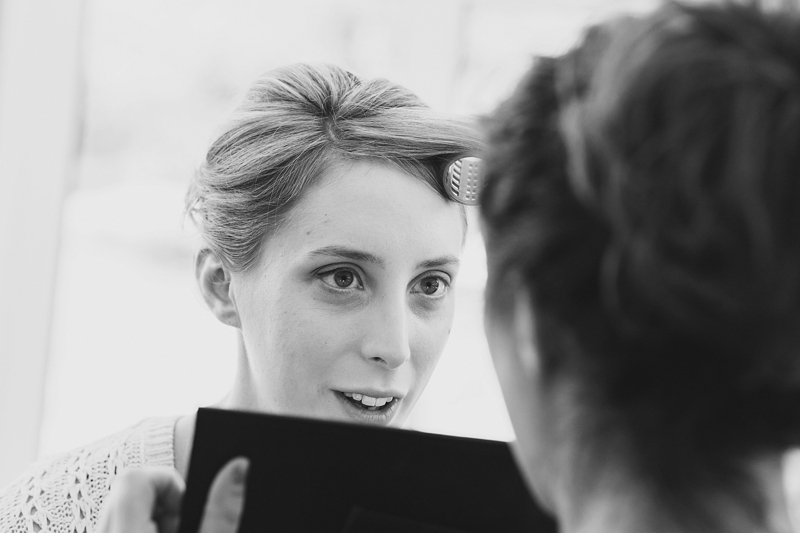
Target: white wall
[(39, 112)]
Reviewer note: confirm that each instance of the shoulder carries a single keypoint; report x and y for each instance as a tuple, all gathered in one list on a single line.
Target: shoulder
[(64, 493)]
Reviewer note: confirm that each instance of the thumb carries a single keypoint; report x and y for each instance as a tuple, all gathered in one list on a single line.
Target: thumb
[(226, 498)]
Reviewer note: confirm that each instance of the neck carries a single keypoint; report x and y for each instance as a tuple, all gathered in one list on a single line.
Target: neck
[(184, 428), (246, 394), (622, 503)]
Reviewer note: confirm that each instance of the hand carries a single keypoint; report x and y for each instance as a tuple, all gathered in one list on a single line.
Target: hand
[(148, 500)]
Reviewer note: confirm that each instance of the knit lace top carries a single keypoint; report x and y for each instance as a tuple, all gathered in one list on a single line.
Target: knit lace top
[(64, 493)]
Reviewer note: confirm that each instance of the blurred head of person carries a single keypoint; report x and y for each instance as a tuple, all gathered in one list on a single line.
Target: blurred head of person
[(330, 243), (642, 221)]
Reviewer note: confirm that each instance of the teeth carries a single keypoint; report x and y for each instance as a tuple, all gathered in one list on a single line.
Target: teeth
[(369, 401)]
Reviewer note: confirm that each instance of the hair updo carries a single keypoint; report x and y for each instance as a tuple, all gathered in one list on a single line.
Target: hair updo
[(645, 190), (293, 124)]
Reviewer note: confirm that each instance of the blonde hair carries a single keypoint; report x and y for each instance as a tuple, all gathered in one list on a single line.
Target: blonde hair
[(294, 123)]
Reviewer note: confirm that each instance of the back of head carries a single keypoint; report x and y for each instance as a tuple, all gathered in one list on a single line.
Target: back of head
[(645, 190), (293, 125)]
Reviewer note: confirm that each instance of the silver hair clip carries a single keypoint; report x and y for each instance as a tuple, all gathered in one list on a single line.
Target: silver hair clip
[(463, 179)]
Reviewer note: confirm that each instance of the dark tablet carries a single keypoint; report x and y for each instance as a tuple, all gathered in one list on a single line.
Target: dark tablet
[(318, 476)]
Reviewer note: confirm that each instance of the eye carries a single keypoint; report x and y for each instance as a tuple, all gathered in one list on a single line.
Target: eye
[(342, 278), (432, 286)]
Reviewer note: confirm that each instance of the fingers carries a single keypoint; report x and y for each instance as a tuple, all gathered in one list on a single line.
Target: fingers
[(148, 500), (226, 498), (145, 500)]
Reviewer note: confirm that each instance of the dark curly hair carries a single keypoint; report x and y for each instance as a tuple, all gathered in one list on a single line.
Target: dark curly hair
[(645, 190)]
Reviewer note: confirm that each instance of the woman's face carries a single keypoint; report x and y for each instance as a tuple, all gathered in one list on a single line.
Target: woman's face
[(348, 309)]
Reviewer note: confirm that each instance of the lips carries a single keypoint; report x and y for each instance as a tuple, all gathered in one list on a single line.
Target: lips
[(373, 407)]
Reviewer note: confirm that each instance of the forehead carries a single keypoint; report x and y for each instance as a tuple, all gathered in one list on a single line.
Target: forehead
[(376, 207)]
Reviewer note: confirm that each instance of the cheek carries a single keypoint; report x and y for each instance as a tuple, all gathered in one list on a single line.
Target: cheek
[(288, 338), (309, 340), (257, 327), (523, 401), (429, 338)]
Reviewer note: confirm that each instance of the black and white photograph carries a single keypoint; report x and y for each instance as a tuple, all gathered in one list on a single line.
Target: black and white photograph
[(443, 266)]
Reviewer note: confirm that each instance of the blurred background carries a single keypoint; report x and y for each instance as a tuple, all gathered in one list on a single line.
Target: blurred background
[(106, 108)]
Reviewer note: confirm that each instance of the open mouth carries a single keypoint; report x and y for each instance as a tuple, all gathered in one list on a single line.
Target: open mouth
[(368, 403)]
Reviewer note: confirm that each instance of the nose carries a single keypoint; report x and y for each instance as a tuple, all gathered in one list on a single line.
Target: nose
[(386, 339)]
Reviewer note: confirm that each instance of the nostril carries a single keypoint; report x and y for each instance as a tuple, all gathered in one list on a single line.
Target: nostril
[(390, 361)]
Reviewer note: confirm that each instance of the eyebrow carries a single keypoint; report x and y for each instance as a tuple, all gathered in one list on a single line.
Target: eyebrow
[(446, 260), (358, 255), (349, 253)]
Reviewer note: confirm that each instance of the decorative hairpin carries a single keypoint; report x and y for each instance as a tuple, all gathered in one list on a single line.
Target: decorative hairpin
[(463, 179)]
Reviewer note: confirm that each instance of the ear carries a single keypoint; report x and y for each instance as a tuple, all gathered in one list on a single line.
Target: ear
[(524, 332), (512, 338), (214, 280)]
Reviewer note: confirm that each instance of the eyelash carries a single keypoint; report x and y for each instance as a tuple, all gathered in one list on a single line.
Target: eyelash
[(441, 278), (332, 284), (327, 278)]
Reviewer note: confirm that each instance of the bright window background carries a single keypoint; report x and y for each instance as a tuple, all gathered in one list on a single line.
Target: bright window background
[(132, 337)]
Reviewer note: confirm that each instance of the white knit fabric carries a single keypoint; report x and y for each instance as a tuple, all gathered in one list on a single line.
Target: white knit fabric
[(64, 494)]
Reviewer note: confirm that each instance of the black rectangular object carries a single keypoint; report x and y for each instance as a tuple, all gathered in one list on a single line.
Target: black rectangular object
[(309, 475)]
